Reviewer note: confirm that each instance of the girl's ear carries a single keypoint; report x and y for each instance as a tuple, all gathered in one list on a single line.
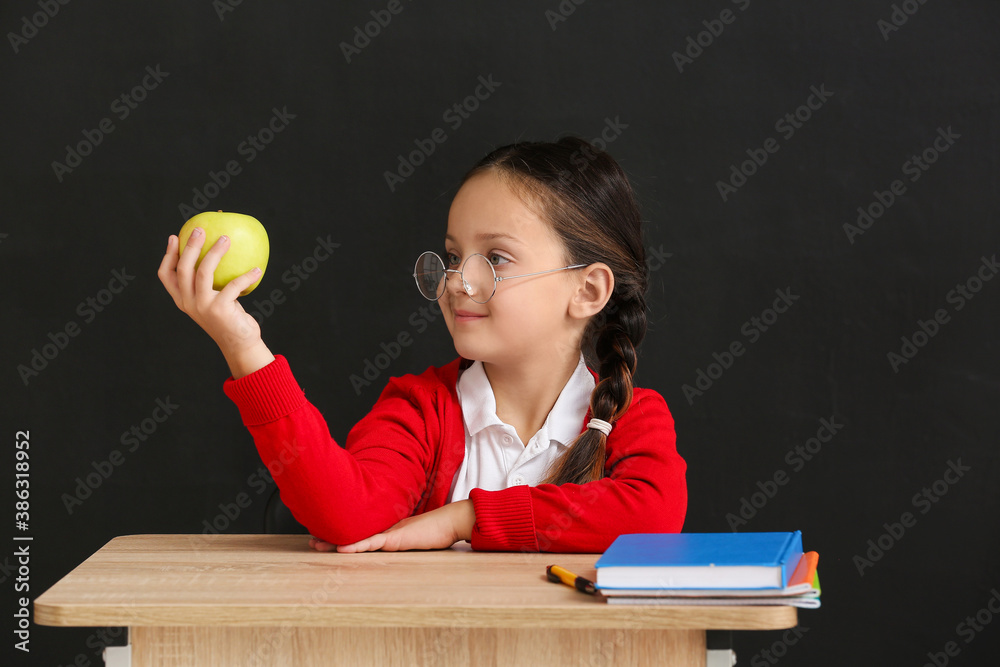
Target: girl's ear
[(596, 284)]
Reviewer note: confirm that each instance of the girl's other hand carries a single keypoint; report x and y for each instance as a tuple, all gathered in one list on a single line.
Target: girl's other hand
[(217, 312), (437, 529)]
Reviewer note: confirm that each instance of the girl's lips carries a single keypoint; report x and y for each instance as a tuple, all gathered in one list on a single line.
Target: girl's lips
[(465, 315)]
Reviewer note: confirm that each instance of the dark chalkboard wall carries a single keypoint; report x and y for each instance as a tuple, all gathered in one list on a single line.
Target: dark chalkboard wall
[(819, 181)]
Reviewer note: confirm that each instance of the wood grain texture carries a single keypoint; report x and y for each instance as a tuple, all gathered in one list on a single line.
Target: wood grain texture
[(275, 580), (407, 647)]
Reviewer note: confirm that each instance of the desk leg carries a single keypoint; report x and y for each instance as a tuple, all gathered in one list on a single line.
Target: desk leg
[(221, 646)]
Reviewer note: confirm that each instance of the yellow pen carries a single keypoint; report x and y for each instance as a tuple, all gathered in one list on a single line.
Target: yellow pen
[(558, 575)]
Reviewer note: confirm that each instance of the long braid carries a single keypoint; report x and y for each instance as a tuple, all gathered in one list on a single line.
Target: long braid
[(615, 348)]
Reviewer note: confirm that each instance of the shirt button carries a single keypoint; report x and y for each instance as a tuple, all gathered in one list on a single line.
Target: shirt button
[(507, 440), (518, 480)]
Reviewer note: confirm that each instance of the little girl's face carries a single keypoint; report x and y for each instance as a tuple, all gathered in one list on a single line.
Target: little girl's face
[(526, 321)]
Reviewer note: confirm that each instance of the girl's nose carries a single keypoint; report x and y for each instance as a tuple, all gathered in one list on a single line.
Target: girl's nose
[(455, 284)]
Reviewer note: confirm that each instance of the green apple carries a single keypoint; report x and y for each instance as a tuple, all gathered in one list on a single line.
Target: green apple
[(248, 246)]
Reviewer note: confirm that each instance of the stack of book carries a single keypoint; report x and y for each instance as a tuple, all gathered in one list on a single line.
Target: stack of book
[(709, 569)]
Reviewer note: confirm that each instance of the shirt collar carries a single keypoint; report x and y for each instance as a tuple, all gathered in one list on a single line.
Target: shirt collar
[(564, 421)]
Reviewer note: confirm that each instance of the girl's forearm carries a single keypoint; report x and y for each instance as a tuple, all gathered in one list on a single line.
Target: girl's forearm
[(465, 521)]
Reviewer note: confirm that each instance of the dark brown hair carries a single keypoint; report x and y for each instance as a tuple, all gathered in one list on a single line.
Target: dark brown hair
[(587, 198)]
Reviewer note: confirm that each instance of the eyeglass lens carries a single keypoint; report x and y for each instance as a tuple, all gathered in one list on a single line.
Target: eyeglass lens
[(480, 280), (477, 276), (429, 274)]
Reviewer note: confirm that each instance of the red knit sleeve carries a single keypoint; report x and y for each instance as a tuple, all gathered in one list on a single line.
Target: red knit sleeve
[(644, 492), (341, 495)]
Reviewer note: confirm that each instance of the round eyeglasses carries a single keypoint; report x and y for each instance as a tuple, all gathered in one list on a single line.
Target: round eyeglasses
[(479, 280)]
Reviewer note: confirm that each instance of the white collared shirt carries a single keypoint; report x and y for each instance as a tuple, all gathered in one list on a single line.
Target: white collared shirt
[(495, 457)]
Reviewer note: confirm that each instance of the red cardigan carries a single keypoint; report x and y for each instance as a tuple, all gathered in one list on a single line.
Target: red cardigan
[(400, 460)]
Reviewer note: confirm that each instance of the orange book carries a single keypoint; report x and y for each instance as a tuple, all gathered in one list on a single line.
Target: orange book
[(805, 571)]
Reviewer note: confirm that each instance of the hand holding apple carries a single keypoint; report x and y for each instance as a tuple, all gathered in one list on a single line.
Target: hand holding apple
[(249, 246), (219, 313)]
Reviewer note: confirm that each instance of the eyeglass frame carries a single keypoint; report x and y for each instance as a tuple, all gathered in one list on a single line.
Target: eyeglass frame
[(465, 285)]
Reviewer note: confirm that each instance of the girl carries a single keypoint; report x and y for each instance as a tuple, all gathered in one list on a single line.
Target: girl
[(516, 444)]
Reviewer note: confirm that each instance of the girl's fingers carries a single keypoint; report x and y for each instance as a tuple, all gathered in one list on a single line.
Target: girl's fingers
[(238, 284), (186, 262), (205, 276), (167, 272), (319, 545), (358, 547)]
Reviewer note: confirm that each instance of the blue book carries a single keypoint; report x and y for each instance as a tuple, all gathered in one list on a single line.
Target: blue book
[(700, 560)]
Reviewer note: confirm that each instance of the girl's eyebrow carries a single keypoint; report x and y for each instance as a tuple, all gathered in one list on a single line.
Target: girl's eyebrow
[(488, 236)]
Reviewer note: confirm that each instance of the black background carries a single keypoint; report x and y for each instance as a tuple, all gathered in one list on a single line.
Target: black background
[(678, 134)]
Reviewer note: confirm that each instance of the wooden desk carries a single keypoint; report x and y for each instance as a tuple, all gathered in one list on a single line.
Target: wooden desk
[(270, 600)]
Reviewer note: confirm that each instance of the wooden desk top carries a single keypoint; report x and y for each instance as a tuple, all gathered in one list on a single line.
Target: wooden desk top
[(269, 580)]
